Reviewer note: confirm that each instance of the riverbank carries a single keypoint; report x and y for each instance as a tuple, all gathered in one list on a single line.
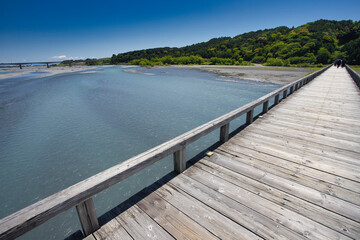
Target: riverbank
[(15, 72), (254, 73)]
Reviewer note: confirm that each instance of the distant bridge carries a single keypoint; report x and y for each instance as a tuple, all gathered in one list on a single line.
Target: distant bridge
[(28, 63)]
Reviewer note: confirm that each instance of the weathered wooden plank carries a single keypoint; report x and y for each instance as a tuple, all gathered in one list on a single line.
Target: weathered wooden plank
[(298, 223), (314, 128), (297, 168), (332, 220), (299, 158), (341, 156), (112, 230), (348, 118), (173, 220), (335, 90), (350, 146), (299, 101), (324, 117), (324, 200), (347, 108), (308, 121), (333, 97), (320, 185), (246, 217), (140, 226), (213, 221), (308, 181), (302, 154), (345, 112)]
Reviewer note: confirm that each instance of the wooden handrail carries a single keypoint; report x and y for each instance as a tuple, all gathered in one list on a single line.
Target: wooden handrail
[(355, 75), (80, 194)]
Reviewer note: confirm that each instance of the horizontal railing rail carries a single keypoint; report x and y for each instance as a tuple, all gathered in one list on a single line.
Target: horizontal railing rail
[(355, 75), (80, 194)]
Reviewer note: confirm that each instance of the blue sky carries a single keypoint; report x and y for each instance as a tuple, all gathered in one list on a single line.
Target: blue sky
[(57, 30)]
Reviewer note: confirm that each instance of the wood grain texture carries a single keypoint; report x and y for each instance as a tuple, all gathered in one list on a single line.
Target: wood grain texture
[(224, 133), (175, 222), (180, 160), (87, 216), (112, 230)]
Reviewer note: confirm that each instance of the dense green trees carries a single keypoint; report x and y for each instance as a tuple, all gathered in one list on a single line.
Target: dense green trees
[(319, 42)]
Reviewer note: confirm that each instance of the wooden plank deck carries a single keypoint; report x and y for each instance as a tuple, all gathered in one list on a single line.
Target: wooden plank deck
[(292, 174)]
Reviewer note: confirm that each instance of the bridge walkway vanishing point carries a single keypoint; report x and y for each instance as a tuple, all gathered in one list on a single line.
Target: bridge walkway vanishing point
[(292, 174)]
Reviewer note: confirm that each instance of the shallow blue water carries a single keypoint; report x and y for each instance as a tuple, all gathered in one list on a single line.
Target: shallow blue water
[(56, 131)]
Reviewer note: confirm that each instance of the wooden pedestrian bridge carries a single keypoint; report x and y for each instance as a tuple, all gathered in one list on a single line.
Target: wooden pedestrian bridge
[(292, 172)]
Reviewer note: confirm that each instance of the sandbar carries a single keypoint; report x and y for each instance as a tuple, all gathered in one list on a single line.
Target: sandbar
[(259, 73), (137, 72)]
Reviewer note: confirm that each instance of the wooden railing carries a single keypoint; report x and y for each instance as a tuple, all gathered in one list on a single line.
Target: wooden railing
[(354, 75), (80, 194)]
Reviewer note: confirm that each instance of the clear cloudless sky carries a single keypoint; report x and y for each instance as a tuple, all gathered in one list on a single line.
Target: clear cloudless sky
[(72, 29)]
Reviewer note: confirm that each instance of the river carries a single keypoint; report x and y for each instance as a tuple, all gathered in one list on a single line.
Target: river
[(56, 131)]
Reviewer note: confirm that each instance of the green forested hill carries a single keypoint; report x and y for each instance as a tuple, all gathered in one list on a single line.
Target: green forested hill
[(319, 42)]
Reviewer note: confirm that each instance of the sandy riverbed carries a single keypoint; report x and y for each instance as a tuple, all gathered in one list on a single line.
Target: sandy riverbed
[(15, 72), (256, 73)]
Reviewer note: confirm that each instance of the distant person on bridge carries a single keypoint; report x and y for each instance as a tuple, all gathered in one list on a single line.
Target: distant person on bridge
[(343, 62), (337, 63)]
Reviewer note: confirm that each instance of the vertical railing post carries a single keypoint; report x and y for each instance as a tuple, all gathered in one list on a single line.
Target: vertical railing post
[(291, 89), (285, 94), (276, 100), (250, 116), (180, 160), (20, 66), (224, 133), (265, 106), (87, 216)]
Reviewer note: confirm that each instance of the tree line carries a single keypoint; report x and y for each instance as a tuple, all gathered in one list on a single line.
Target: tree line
[(314, 43)]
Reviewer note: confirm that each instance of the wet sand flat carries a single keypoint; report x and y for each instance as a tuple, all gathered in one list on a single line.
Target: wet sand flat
[(256, 73)]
